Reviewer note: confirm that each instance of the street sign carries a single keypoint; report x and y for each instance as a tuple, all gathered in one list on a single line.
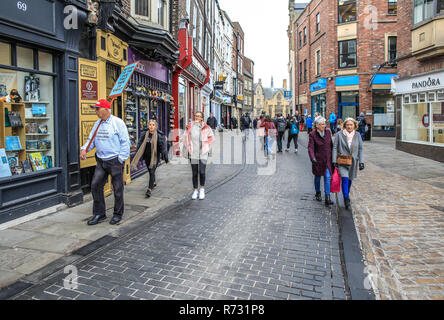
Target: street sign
[(123, 80), (287, 94)]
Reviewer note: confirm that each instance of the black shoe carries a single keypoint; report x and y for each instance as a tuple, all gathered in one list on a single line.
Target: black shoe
[(148, 193), (347, 203), (318, 196), (96, 220), (328, 201), (115, 220)]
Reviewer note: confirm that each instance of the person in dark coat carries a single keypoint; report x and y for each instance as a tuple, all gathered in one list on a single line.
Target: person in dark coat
[(320, 147), (212, 122), (152, 147)]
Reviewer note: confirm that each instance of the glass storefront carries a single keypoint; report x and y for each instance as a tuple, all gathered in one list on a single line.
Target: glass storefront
[(318, 104), (182, 103), (348, 104), (423, 118), (383, 110), (27, 112)]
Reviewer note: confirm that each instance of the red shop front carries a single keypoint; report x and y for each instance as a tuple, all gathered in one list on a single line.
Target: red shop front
[(190, 75)]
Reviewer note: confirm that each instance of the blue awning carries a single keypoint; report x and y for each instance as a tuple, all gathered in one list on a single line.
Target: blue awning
[(347, 81), (383, 78)]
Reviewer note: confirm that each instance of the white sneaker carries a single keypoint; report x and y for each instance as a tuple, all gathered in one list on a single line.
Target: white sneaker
[(195, 194), (202, 194)]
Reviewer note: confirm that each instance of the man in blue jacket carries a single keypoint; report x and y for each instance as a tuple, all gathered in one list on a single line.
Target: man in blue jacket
[(309, 122), (332, 121)]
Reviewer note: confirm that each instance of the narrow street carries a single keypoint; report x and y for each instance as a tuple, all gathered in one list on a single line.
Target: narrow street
[(254, 237)]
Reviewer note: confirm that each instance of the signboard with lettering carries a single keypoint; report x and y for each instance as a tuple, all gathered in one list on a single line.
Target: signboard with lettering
[(151, 68), (287, 94), (123, 79), (89, 90), (419, 84), (35, 14), (88, 71)]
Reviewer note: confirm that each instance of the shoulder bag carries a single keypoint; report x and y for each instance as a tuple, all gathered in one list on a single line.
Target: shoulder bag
[(346, 160)]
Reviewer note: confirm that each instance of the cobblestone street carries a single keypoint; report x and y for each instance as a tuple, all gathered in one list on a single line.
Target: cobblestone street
[(254, 237)]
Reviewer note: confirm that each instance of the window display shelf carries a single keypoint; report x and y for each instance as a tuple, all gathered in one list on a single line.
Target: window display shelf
[(37, 150), (37, 118), (38, 134), (44, 102)]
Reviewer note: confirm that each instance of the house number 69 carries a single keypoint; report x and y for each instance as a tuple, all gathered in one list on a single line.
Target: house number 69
[(22, 6)]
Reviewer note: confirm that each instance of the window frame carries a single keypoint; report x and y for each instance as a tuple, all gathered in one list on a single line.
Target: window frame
[(342, 54), (423, 6), (305, 35), (395, 2), (137, 15), (318, 62), (305, 70), (318, 22), (388, 48), (347, 3)]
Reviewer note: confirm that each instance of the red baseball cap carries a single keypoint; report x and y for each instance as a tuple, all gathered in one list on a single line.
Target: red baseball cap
[(102, 104)]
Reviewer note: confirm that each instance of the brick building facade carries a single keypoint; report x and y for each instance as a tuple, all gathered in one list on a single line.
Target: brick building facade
[(345, 59)]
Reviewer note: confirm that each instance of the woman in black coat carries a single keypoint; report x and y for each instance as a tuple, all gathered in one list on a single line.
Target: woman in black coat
[(152, 147)]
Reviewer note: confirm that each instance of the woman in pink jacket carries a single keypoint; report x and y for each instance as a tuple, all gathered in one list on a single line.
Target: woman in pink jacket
[(198, 138)]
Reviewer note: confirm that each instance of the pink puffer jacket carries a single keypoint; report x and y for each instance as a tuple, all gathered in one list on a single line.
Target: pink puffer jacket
[(207, 137)]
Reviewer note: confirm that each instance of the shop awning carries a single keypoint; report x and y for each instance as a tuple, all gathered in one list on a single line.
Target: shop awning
[(383, 78)]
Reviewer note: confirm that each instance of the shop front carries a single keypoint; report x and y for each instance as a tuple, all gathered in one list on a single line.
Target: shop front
[(347, 89), (216, 106), (38, 66), (227, 108), (190, 76), (383, 106), (148, 96), (318, 97), (420, 108)]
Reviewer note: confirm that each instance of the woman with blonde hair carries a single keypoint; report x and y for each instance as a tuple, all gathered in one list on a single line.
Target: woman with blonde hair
[(198, 138), (152, 147), (348, 155)]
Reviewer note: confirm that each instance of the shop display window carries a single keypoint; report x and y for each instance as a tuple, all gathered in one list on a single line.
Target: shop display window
[(383, 110), (182, 104), (416, 119), (26, 118), (5, 53), (437, 126)]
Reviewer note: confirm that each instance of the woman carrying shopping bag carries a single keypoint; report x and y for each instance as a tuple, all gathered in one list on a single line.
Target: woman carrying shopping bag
[(152, 147), (348, 155)]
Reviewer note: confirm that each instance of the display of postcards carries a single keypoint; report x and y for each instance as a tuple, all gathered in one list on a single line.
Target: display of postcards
[(32, 88), (3, 90), (43, 129), (48, 161), (36, 160), (17, 170), (26, 164), (14, 119), (12, 143), (28, 112), (38, 110), (32, 144), (13, 159), (44, 144), (31, 127), (5, 170)]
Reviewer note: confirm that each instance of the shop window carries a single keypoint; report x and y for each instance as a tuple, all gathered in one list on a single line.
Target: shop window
[(45, 62), (392, 7), (142, 7), (422, 97), (414, 117), (431, 97), (5, 53), (347, 53), (383, 110), (414, 98), (438, 122), (406, 99), (25, 58), (27, 143), (347, 11)]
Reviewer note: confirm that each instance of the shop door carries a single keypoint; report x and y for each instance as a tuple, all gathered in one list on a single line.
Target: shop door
[(348, 110)]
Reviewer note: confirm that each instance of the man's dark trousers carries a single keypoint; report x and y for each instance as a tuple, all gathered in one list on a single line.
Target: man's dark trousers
[(104, 168), (280, 136)]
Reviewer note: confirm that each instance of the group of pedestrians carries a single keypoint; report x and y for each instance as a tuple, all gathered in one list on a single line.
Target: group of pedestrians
[(344, 152), (109, 136)]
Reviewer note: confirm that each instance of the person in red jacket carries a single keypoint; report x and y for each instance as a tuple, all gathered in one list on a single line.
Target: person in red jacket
[(270, 134)]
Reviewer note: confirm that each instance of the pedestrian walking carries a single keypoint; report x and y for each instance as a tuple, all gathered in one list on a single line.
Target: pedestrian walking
[(261, 132), (362, 125), (270, 135), (320, 152), (245, 125), (281, 126), (109, 136), (212, 121), (293, 133), (309, 124), (332, 119), (255, 121), (338, 126), (348, 155), (197, 140), (152, 147)]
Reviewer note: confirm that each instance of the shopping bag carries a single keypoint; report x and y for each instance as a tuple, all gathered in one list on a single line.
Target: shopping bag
[(335, 182)]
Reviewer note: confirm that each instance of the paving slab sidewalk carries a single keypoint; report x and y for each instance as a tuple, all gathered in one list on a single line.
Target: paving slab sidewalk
[(30, 246), (398, 209)]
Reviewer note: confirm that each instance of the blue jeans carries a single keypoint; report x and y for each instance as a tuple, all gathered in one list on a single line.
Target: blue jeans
[(269, 145), (346, 187), (327, 179)]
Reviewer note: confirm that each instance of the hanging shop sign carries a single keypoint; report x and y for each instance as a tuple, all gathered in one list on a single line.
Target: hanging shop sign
[(123, 79), (89, 90), (198, 71), (149, 68)]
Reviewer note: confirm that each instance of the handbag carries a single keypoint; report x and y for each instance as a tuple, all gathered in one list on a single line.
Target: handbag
[(346, 160), (335, 186)]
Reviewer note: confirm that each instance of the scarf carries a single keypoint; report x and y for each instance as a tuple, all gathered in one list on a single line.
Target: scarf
[(349, 137), (141, 151), (321, 133)]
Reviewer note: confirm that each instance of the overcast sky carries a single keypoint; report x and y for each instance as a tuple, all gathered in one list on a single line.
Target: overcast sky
[(265, 24)]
